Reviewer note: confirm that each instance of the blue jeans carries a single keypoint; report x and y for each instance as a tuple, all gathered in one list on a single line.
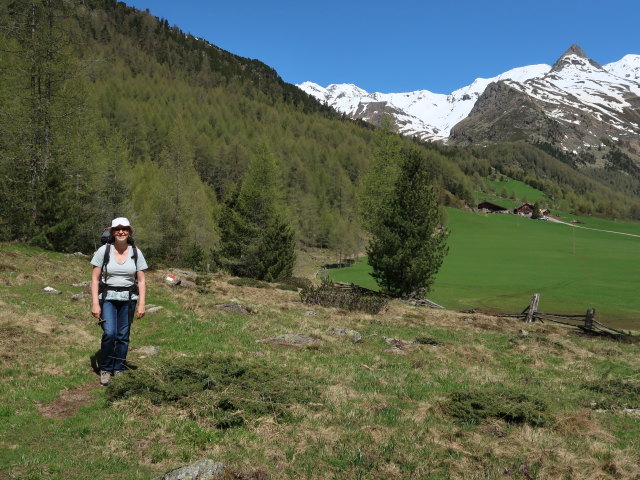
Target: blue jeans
[(115, 337)]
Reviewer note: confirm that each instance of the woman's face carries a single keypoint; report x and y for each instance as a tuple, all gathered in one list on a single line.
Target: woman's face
[(120, 233)]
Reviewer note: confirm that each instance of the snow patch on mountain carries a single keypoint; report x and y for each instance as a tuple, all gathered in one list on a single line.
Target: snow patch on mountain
[(628, 67), (574, 83), (428, 115), (583, 86)]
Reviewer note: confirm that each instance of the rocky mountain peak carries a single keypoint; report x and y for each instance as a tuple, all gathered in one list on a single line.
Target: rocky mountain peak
[(568, 58), (575, 50)]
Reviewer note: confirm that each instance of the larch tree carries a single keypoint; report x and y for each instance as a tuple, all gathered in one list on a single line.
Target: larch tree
[(40, 123)]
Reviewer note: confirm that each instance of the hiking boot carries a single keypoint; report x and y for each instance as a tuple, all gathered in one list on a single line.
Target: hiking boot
[(117, 372), (105, 377)]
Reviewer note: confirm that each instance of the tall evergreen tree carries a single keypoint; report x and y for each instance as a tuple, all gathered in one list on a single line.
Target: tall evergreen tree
[(256, 240), (40, 122), (376, 188), (407, 243)]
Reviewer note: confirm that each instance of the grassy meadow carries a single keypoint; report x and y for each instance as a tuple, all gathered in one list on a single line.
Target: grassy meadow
[(510, 193), (468, 396), (496, 262)]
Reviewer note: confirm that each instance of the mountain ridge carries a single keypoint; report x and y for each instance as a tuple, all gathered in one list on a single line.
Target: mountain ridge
[(581, 106)]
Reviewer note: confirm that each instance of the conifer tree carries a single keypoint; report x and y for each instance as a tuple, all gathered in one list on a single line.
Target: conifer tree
[(256, 240), (41, 115), (377, 185), (407, 243)]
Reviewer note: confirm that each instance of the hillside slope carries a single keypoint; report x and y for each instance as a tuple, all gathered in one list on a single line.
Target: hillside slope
[(453, 396)]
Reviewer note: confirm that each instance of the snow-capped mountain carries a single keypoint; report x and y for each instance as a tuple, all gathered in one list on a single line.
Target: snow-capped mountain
[(573, 104), (430, 116), (577, 106)]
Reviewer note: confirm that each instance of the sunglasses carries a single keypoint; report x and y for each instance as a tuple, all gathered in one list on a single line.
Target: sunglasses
[(120, 229)]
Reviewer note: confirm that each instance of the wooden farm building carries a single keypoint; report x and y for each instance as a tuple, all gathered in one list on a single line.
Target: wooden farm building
[(491, 207), (524, 209)]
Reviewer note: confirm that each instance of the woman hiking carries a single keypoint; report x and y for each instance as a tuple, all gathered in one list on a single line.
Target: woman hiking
[(117, 286)]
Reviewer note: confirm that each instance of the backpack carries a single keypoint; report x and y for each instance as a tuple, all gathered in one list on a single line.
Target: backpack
[(106, 236)]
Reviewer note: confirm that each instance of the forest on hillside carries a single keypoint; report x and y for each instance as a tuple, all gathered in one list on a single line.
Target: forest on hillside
[(108, 111)]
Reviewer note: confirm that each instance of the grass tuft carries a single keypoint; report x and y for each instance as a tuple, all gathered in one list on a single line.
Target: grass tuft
[(221, 387), (614, 393), (475, 406)]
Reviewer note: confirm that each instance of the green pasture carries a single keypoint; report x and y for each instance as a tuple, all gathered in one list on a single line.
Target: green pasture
[(520, 190), (508, 193), (497, 261)]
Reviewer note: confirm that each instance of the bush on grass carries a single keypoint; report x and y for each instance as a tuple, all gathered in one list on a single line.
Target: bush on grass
[(474, 406), (328, 295), (220, 387), (614, 393)]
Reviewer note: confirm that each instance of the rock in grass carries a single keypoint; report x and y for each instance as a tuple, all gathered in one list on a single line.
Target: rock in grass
[(205, 469), (352, 335), (79, 296), (172, 280), (51, 291), (184, 273), (397, 343), (396, 351), (153, 308), (82, 284), (293, 340), (233, 307), (147, 350), (399, 347)]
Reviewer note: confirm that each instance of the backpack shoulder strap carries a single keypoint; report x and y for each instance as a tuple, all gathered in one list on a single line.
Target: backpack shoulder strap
[(134, 252), (134, 255), (105, 261)]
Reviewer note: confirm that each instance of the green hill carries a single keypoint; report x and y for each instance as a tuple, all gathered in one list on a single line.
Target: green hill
[(141, 119)]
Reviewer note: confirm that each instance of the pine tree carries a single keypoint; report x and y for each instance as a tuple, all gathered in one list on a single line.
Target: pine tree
[(408, 243)]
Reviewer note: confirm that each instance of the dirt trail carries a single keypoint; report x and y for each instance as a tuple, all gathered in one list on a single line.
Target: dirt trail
[(555, 220)]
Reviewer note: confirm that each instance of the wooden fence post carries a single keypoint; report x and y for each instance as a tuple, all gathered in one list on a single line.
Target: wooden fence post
[(533, 307), (590, 317)]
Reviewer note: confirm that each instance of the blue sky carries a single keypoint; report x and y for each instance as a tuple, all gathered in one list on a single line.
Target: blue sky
[(405, 45)]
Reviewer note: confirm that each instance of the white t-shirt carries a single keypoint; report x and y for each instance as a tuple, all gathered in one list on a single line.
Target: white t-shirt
[(119, 274)]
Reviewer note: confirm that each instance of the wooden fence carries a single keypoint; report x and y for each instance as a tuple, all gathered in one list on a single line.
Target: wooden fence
[(586, 322)]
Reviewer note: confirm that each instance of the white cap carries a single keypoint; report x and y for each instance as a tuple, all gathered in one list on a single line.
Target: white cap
[(121, 222)]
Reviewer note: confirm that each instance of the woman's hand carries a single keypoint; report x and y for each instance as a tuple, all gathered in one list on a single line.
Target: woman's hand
[(96, 310), (141, 311)]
